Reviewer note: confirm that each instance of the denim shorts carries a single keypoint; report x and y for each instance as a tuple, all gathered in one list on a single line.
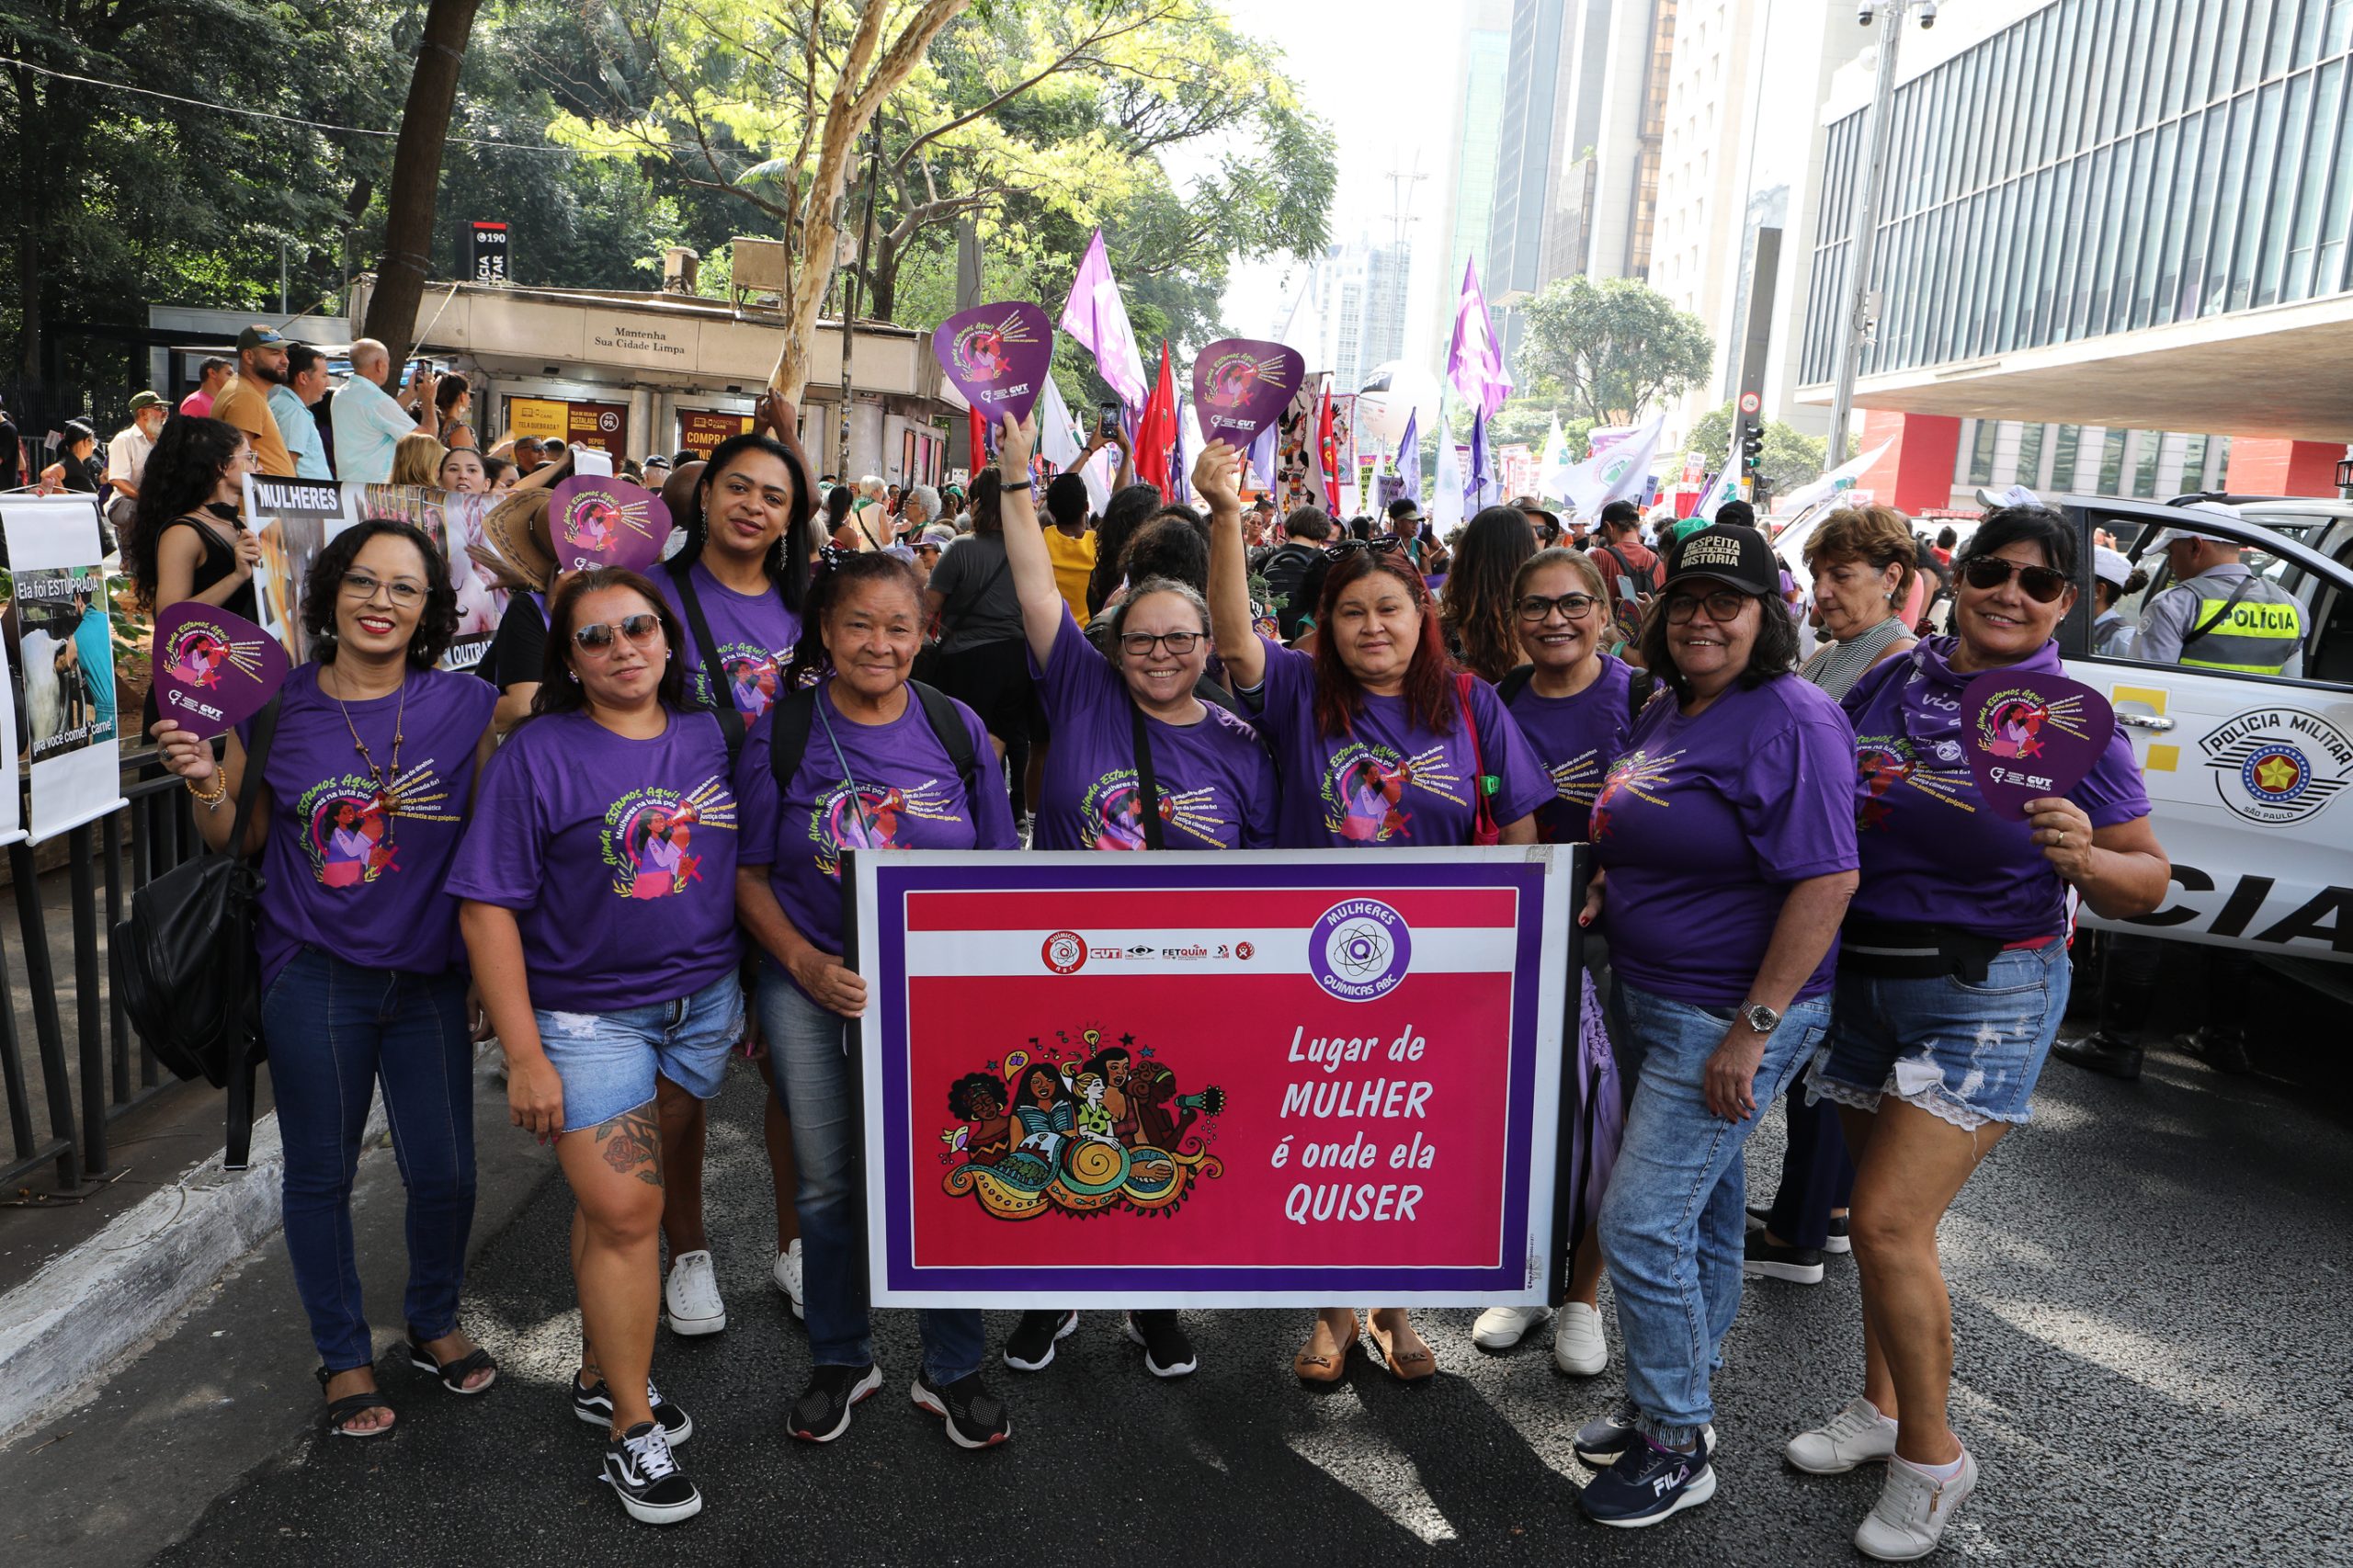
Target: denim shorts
[(608, 1061), (1968, 1052)]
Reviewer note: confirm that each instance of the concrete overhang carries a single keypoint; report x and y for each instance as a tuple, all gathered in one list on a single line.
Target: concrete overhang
[(2284, 371)]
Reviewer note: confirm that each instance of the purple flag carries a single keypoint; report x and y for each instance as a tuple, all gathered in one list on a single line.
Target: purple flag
[(2031, 736), (606, 522), (1180, 467), (1095, 316), (213, 669), (1409, 460), (1475, 494), (1476, 361), (1241, 386), (997, 355)]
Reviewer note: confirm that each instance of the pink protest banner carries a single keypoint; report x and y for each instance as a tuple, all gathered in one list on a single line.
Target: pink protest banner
[(2029, 735), (607, 522), (213, 670), (1240, 385), (1268, 1078), (997, 356)]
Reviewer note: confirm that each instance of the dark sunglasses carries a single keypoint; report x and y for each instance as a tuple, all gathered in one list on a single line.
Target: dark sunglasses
[(2040, 583), (640, 629), (1379, 544)]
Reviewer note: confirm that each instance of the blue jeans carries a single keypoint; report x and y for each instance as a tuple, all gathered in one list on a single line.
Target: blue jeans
[(1968, 1051), (809, 1051), (333, 1031), (1672, 1222)]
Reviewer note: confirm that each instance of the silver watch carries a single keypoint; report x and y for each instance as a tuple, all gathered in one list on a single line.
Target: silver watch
[(1760, 1018)]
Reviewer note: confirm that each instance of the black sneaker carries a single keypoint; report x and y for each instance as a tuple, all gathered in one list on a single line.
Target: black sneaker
[(1840, 1239), (2101, 1055), (2223, 1049), (1031, 1346), (1604, 1440), (822, 1413), (975, 1418), (594, 1404), (652, 1488), (1770, 1260), (1649, 1485), (1166, 1352)]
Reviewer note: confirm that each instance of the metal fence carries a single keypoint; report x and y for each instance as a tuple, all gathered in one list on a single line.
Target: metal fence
[(99, 1062)]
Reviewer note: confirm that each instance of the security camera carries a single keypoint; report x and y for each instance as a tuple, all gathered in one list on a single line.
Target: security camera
[(1864, 11), (1928, 14)]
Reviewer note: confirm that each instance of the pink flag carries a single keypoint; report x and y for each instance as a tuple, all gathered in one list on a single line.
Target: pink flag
[(1095, 316), (1475, 362)]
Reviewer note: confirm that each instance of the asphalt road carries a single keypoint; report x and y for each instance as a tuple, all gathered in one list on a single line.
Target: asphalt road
[(2149, 1288)]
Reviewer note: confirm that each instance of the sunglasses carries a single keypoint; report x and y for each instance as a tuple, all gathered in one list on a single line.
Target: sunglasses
[(640, 629), (1379, 544), (1536, 609), (2040, 583), (1724, 606)]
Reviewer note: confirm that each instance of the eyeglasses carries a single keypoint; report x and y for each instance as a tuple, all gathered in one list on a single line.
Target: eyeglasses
[(1136, 644), (640, 629), (1536, 609), (1379, 544), (1724, 606), (2040, 583), (405, 592)]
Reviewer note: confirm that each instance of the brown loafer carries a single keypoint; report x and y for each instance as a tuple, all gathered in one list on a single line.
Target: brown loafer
[(1407, 1365), (1312, 1368)]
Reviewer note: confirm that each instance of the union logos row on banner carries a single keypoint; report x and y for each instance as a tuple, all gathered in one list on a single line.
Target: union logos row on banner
[(1256, 1079)]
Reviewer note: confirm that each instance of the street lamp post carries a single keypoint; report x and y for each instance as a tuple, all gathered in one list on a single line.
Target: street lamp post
[(1857, 322)]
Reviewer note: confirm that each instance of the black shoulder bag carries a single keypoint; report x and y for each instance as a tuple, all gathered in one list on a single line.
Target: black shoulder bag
[(1147, 786), (185, 964), (731, 722)]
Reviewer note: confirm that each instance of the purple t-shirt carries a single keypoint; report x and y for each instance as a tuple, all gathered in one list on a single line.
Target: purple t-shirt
[(1703, 823), (352, 865), (755, 635), (905, 778), (1574, 739), (1392, 781), (617, 856), (1931, 852), (1216, 782)]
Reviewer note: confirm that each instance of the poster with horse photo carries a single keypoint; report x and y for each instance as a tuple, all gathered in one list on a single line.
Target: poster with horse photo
[(61, 636), (454, 521)]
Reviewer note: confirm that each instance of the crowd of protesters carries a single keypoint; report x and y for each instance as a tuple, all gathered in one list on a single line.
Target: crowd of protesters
[(701, 740)]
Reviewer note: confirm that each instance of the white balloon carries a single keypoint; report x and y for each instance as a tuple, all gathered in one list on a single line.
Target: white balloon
[(1390, 394)]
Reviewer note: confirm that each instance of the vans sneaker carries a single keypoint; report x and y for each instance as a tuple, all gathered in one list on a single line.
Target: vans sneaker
[(1500, 1328), (691, 1295), (593, 1403), (1579, 1347), (1167, 1351), (1650, 1484), (789, 1278), (1770, 1260), (1857, 1435), (975, 1418), (1031, 1346), (651, 1487), (822, 1413), (1839, 1239), (1913, 1509)]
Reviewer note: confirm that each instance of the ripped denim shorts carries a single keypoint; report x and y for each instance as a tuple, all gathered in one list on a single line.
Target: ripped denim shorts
[(1968, 1052), (608, 1061)]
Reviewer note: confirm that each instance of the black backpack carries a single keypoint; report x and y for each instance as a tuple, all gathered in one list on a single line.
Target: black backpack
[(789, 720), (186, 968), (1285, 573)]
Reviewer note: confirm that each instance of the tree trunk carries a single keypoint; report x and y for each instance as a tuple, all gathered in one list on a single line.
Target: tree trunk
[(882, 280), (31, 154), (416, 173)]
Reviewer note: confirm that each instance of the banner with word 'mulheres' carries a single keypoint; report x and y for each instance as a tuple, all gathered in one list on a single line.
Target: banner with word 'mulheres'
[(1253, 1079)]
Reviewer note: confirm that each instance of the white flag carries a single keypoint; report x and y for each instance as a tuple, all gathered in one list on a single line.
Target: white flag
[(1058, 441), (1616, 474), (1446, 507), (1553, 469)]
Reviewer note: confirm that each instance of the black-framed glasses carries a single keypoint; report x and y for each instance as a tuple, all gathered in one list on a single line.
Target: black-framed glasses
[(1536, 609), (1379, 544), (1724, 606), (1137, 644), (640, 629), (405, 592), (2040, 583)]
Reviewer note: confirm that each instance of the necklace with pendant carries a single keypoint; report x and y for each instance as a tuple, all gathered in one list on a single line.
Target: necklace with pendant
[(382, 780)]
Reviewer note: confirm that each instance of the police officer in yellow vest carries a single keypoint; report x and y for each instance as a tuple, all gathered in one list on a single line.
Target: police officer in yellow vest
[(2218, 615)]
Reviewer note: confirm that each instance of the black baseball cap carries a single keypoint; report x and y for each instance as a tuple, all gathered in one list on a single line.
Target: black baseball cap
[(1728, 553), (257, 336)]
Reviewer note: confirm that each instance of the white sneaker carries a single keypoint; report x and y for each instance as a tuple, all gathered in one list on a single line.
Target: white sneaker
[(691, 1295), (1578, 1347), (1857, 1435), (1500, 1328), (788, 1276), (1913, 1510)]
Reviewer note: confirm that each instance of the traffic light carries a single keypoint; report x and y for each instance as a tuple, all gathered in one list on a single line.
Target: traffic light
[(1752, 450)]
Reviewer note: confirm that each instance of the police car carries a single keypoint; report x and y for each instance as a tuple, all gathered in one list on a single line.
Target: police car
[(2245, 771)]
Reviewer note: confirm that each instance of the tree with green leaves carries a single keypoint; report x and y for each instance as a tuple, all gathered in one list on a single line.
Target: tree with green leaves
[(1789, 458), (1613, 348)]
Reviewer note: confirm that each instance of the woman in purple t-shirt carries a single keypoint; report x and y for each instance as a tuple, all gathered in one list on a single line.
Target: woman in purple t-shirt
[(1726, 840), (1953, 976), (873, 772), (598, 880), (1375, 751), (363, 794)]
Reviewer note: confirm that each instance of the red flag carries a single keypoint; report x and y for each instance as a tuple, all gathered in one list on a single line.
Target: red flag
[(1328, 445), (1157, 431), (983, 442)]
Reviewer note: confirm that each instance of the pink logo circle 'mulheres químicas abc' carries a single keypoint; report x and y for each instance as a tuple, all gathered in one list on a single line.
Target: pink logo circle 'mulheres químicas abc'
[(1064, 952), (1359, 950)]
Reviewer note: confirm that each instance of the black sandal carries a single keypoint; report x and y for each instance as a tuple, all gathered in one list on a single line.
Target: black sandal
[(339, 1411), (453, 1374)]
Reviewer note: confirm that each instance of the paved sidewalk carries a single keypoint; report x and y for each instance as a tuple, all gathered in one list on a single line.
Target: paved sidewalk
[(2150, 1288)]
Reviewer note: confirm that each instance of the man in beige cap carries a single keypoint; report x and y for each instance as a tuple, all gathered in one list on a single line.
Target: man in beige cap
[(243, 399)]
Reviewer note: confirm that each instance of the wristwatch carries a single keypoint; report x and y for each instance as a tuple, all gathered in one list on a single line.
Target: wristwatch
[(1760, 1018)]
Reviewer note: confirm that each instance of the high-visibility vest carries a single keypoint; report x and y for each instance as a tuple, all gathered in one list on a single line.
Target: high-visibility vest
[(2256, 636)]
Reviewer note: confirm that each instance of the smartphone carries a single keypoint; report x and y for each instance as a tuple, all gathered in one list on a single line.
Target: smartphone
[(1107, 422), (418, 370)]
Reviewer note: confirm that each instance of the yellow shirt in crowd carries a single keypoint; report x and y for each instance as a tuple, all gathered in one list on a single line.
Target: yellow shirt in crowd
[(1073, 565)]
